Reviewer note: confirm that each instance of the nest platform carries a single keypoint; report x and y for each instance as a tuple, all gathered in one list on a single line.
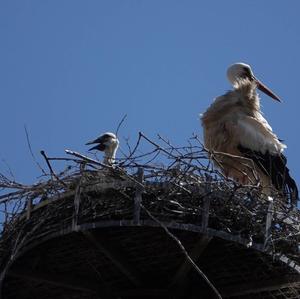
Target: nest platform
[(164, 224), (106, 238)]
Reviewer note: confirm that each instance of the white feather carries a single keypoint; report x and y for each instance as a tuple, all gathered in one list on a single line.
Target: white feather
[(257, 135)]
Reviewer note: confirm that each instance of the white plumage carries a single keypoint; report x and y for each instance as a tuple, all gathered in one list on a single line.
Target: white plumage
[(240, 139), (257, 134), (107, 143)]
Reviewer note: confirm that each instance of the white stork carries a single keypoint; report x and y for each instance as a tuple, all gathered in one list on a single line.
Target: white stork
[(107, 143), (239, 138)]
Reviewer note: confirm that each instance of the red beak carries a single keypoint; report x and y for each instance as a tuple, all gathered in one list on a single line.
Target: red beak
[(266, 90)]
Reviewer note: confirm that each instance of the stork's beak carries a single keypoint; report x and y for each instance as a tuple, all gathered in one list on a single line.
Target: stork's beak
[(266, 90)]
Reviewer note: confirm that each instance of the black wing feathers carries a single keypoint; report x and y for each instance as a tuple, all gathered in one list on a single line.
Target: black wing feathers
[(275, 167), (99, 147), (103, 138)]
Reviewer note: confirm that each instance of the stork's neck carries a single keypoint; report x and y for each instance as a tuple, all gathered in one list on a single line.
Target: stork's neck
[(108, 159), (248, 95), (110, 155)]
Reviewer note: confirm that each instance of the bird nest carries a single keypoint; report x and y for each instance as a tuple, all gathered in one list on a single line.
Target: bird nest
[(155, 181)]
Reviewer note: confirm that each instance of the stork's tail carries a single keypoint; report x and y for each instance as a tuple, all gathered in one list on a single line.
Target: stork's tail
[(275, 167)]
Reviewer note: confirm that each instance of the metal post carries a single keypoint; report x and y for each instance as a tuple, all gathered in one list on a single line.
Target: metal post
[(206, 205), (269, 223), (205, 213), (28, 208), (138, 197), (77, 200)]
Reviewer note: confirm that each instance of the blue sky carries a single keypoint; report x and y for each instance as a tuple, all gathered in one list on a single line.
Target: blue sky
[(71, 69)]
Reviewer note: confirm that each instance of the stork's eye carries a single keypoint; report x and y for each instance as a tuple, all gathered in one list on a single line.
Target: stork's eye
[(247, 72)]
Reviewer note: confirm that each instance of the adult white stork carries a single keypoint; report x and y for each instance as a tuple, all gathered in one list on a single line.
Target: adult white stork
[(241, 141), (107, 143)]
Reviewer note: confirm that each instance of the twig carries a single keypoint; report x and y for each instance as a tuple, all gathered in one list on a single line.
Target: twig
[(50, 168), (120, 123), (87, 159), (9, 169), (135, 148), (31, 152)]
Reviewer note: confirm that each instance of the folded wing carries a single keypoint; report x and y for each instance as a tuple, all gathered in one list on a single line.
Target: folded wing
[(257, 142)]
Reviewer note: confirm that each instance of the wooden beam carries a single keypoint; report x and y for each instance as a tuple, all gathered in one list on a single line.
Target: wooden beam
[(64, 281), (141, 293), (286, 281), (115, 256), (195, 254)]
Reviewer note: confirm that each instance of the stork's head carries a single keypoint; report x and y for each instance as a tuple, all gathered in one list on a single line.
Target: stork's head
[(239, 71), (110, 141)]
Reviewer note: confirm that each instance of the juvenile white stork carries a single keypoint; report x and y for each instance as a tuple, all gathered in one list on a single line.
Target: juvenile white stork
[(241, 141), (107, 143)]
